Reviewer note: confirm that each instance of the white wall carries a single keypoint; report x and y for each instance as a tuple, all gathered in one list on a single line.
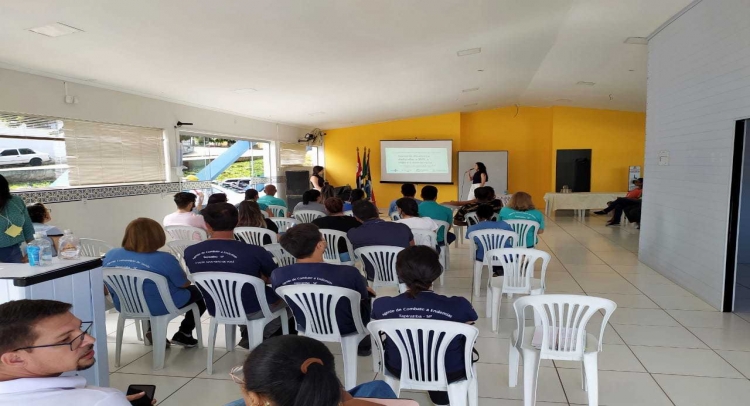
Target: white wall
[(698, 86)]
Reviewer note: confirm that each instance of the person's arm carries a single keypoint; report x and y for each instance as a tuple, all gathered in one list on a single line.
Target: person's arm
[(28, 226), (468, 176), (460, 202), (459, 219), (174, 272), (199, 206), (266, 266), (484, 179)]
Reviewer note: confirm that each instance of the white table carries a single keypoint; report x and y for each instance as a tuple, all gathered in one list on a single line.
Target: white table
[(78, 282), (579, 202)]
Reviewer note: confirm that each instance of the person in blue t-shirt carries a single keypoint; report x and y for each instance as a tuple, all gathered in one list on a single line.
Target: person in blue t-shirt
[(306, 243), (355, 196), (419, 267), (485, 213), (222, 253), (376, 231), (407, 190), (140, 250)]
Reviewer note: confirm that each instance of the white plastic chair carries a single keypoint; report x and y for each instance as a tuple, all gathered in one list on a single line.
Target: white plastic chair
[(284, 223), (127, 284), (490, 239), (318, 305), (225, 289), (186, 233), (383, 261), (93, 248), (445, 252), (282, 256), (178, 249), (471, 218), (394, 216), (254, 235), (278, 211), (264, 213), (428, 238), (423, 361), (331, 255), (518, 268), (523, 228), (307, 216), (562, 319)]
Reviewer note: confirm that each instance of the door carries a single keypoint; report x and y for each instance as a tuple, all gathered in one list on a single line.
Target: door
[(737, 281), (573, 169), (10, 157)]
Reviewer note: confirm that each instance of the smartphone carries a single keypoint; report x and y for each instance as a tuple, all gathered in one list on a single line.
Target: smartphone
[(146, 400)]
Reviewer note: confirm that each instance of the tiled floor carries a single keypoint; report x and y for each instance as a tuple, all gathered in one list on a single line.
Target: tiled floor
[(663, 346)]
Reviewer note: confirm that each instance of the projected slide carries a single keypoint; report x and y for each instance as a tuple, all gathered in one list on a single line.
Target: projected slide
[(416, 161)]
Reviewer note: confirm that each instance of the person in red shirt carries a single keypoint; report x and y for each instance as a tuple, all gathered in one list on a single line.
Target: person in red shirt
[(621, 203)]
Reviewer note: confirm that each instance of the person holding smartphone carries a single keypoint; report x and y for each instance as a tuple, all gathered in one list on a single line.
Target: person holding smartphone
[(39, 341)]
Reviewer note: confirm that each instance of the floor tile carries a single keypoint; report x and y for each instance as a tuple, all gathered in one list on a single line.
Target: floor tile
[(507, 402), (684, 361), (681, 303), (576, 269), (493, 383), (658, 336), (698, 391), (724, 339), (205, 392), (738, 359), (629, 301), (618, 258), (705, 319), (616, 389), (612, 358), (664, 290), (129, 353), (643, 317), (178, 362), (165, 385)]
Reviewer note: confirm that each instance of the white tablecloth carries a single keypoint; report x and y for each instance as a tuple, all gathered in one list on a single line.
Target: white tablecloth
[(579, 201)]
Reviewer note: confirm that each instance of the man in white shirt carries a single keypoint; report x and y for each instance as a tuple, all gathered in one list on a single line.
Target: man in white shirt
[(184, 216), (40, 340)]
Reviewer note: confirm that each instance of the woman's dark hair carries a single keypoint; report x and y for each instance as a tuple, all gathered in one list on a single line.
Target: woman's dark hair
[(310, 196), (408, 206), (418, 266), (274, 370), (327, 191), (334, 205), (356, 195), (4, 192), (482, 169), (301, 240), (485, 212), (217, 198), (317, 170), (37, 212), (249, 215), (429, 192)]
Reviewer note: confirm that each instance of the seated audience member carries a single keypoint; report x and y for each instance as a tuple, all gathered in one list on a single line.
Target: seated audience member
[(250, 216), (485, 213), (355, 196), (336, 220), (418, 267), (184, 215), (252, 195), (140, 250), (310, 201), (270, 198), (326, 192), (306, 243), (623, 203), (484, 195), (432, 209), (222, 253), (39, 341), (217, 198), (376, 231), (520, 207), (408, 190), (408, 209), (297, 371), (40, 216)]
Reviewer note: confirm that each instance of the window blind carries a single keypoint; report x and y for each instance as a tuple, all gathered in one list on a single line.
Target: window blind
[(100, 154)]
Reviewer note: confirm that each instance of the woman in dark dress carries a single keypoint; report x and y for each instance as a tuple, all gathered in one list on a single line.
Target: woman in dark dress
[(316, 180)]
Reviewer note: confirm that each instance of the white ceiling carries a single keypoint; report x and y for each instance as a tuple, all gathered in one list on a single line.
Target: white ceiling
[(337, 63)]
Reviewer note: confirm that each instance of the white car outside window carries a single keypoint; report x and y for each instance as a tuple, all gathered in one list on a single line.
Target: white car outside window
[(16, 156)]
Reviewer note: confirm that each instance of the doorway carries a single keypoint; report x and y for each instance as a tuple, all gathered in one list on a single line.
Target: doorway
[(573, 169), (737, 281)]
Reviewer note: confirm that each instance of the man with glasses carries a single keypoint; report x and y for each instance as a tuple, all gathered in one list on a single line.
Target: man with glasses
[(40, 340)]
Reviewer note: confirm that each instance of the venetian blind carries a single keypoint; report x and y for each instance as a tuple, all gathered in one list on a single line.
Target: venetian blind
[(100, 154)]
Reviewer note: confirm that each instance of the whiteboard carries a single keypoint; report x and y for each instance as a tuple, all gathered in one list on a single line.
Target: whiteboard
[(497, 170)]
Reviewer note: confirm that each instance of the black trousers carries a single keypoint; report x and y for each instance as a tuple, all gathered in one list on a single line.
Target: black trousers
[(188, 323), (620, 204)]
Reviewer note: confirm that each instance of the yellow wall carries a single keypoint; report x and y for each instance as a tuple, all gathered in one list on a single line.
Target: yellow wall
[(531, 137), (617, 140), (341, 150)]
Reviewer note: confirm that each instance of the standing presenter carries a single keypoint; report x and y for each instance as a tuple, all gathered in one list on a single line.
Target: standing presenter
[(477, 179)]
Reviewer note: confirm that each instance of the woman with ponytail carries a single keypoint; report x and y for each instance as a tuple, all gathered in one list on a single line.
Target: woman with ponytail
[(418, 267), (298, 371)]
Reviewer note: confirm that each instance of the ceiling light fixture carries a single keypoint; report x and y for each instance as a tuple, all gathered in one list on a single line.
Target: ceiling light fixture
[(471, 51), (637, 41), (55, 30), (245, 90), (473, 89), (582, 83)]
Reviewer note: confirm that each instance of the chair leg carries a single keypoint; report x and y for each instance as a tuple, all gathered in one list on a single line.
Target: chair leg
[(458, 393), (583, 378), (284, 322), (497, 301), (254, 334), (118, 339), (513, 360), (138, 332), (375, 355), (395, 384), (591, 366), (212, 327), (349, 351), (159, 334), (478, 268), (198, 326), (530, 376), (229, 336), (488, 304), (474, 389)]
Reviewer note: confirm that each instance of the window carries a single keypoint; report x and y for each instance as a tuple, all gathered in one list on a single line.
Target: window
[(62, 153)]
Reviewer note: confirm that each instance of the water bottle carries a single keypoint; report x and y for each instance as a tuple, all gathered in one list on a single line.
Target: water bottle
[(39, 251), (70, 246)]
